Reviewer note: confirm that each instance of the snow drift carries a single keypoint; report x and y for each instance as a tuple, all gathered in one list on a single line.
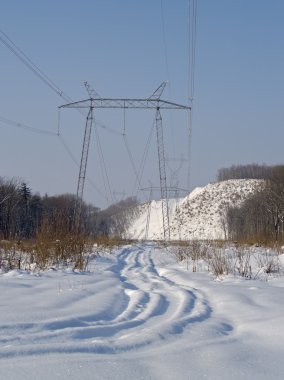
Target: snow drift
[(200, 215)]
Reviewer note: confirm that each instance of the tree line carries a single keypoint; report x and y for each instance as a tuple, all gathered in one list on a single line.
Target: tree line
[(24, 214), (261, 217), (251, 171)]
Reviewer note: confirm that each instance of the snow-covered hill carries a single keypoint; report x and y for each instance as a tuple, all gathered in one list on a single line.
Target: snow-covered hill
[(200, 215)]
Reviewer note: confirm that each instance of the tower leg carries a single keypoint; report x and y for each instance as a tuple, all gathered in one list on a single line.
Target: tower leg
[(162, 171), (82, 172)]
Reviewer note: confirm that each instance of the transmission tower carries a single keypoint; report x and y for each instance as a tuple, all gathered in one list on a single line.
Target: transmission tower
[(153, 102), (174, 173)]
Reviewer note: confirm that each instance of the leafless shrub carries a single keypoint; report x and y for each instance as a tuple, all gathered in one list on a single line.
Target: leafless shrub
[(181, 253), (199, 251), (269, 262), (47, 252), (109, 244), (222, 258), (10, 257), (220, 262), (243, 262), (191, 252)]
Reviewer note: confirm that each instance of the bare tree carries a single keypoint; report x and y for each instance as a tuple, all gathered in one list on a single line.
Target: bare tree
[(261, 216)]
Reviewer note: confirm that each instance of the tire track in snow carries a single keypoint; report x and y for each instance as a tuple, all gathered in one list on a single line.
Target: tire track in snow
[(181, 305), (146, 308)]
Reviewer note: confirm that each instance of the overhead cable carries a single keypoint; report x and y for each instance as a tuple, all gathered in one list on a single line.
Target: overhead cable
[(68, 150), (144, 157), (103, 166), (13, 123), (173, 145), (192, 16), (31, 65)]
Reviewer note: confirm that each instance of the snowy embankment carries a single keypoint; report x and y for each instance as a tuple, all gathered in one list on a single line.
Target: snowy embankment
[(139, 315), (200, 215)]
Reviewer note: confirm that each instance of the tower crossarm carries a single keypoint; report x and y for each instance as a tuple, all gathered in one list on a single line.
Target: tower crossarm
[(125, 103)]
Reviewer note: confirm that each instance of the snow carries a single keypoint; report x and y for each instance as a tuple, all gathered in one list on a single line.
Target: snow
[(138, 314), (200, 215)]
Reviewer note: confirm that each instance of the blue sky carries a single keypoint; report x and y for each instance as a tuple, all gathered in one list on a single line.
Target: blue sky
[(119, 48)]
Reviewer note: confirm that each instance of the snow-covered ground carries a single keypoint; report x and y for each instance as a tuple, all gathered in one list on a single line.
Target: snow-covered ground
[(140, 315), (200, 215)]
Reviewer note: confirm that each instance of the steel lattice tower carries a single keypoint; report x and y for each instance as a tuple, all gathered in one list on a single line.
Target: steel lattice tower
[(153, 102)]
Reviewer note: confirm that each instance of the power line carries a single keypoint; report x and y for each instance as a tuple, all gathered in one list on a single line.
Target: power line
[(68, 150), (192, 17), (38, 73), (105, 176), (16, 124), (109, 129), (167, 70), (164, 39), (131, 159), (13, 123), (145, 153), (32, 66)]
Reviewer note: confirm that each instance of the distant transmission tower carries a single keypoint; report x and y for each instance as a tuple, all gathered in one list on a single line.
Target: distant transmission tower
[(148, 212), (153, 102)]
